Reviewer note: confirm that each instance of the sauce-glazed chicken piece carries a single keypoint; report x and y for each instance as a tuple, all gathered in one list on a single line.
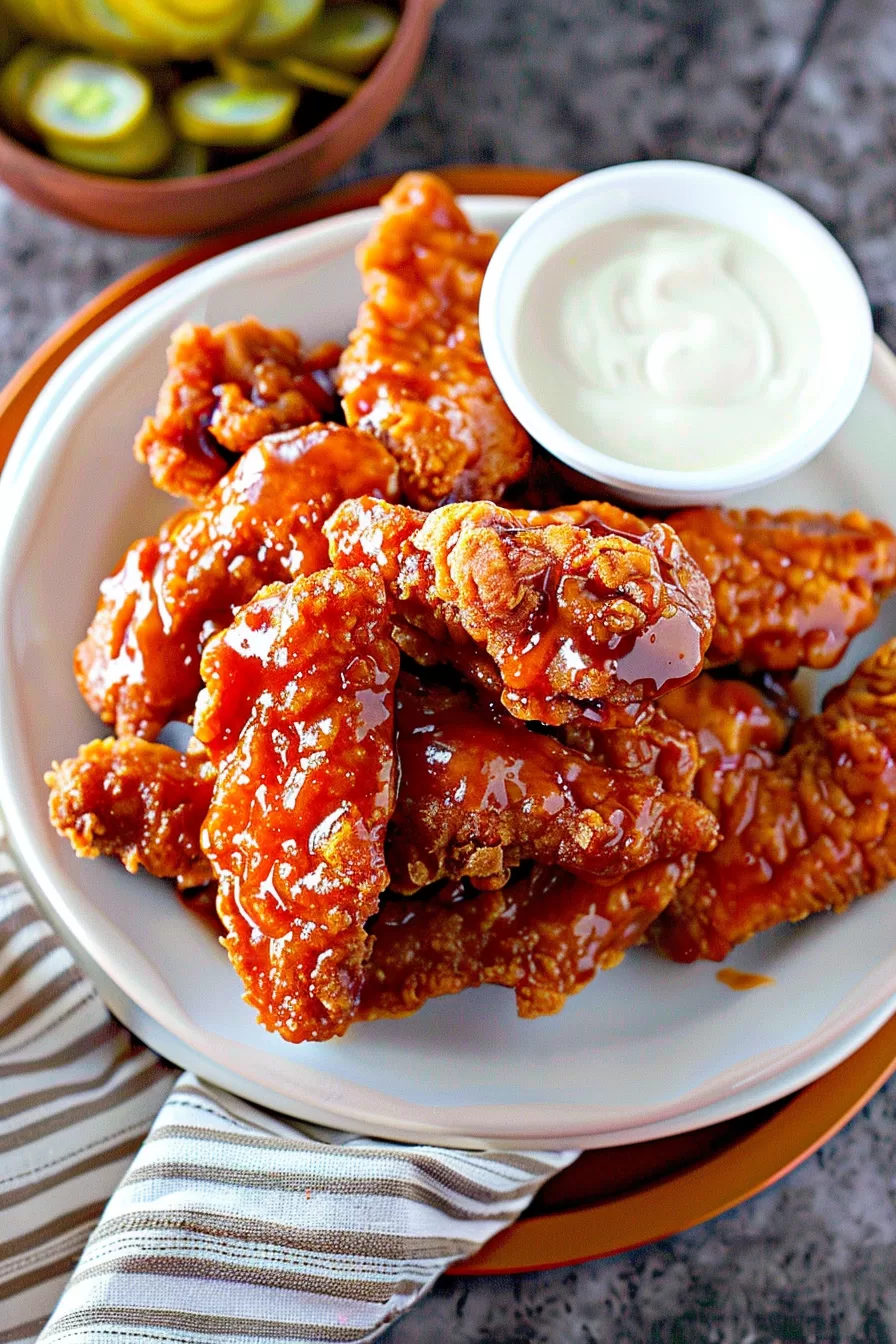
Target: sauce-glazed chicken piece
[(545, 936), (138, 666), (227, 388), (739, 732), (141, 802), (655, 744), (815, 830), (480, 793), (413, 371), (570, 622), (297, 715), (791, 589)]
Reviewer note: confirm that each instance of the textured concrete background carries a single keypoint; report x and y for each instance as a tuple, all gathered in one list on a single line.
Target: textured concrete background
[(802, 93)]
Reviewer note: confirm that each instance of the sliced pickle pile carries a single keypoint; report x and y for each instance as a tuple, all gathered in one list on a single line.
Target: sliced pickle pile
[(101, 84)]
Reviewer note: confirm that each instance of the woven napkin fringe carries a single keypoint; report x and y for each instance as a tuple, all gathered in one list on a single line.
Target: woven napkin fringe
[(230, 1223)]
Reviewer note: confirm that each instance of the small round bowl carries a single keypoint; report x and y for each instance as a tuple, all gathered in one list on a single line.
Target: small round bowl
[(712, 195), (192, 205)]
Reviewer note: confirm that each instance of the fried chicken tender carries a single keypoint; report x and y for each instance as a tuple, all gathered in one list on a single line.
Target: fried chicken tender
[(545, 936), (297, 715), (739, 732), (141, 802), (655, 744), (227, 388), (480, 794), (413, 372), (816, 830), (570, 622), (791, 589), (138, 667)]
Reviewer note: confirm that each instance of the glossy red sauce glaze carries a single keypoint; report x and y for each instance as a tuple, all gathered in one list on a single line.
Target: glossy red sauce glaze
[(226, 388), (569, 620), (138, 667), (545, 936), (297, 715), (791, 589), (480, 793)]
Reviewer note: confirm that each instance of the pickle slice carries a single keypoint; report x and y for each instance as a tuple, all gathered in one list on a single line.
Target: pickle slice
[(88, 100), (219, 112), (106, 29), (145, 150), (183, 36), (312, 76), (277, 25), (17, 81), (348, 37)]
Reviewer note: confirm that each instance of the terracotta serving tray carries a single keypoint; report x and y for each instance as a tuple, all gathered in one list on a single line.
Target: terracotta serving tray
[(612, 1199)]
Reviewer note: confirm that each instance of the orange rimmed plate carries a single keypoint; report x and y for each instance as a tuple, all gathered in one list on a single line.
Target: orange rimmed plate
[(612, 1199)]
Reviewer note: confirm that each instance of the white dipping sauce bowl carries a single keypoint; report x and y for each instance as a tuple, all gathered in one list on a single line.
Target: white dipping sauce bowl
[(715, 196)]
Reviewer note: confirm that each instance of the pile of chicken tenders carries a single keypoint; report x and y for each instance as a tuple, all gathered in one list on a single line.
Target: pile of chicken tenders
[(451, 724)]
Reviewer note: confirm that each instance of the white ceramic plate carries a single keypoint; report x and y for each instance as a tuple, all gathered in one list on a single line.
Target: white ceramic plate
[(652, 1048)]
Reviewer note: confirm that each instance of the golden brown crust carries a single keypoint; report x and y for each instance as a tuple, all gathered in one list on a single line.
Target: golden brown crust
[(413, 371), (739, 731), (226, 388), (655, 744), (791, 589), (297, 715), (481, 793), (545, 936), (141, 802), (570, 620), (138, 666), (816, 830)]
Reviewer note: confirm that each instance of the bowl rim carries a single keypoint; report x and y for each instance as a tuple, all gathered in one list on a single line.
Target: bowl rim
[(413, 13), (675, 485)]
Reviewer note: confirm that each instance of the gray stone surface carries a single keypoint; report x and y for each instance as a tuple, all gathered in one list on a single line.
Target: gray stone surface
[(802, 92)]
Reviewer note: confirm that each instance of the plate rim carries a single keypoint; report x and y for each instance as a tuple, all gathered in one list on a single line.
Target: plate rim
[(16, 399)]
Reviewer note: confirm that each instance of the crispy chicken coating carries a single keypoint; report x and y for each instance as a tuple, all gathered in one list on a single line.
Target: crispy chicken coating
[(545, 936), (816, 830), (739, 732), (791, 589), (227, 388), (656, 744), (481, 793), (297, 715), (570, 622), (138, 667), (413, 372), (141, 802)]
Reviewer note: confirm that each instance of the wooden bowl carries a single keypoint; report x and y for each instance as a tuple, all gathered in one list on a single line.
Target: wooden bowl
[(192, 205)]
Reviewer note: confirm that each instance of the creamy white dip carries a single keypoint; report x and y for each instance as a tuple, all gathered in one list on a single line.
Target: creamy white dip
[(669, 342)]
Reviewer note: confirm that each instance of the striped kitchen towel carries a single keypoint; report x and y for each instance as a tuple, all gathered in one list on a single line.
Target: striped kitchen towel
[(230, 1223)]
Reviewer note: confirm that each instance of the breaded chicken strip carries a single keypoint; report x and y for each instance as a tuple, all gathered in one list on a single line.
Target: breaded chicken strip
[(545, 936), (138, 666), (413, 371), (297, 715), (480, 793), (569, 622), (141, 802), (791, 589), (816, 829), (227, 388)]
